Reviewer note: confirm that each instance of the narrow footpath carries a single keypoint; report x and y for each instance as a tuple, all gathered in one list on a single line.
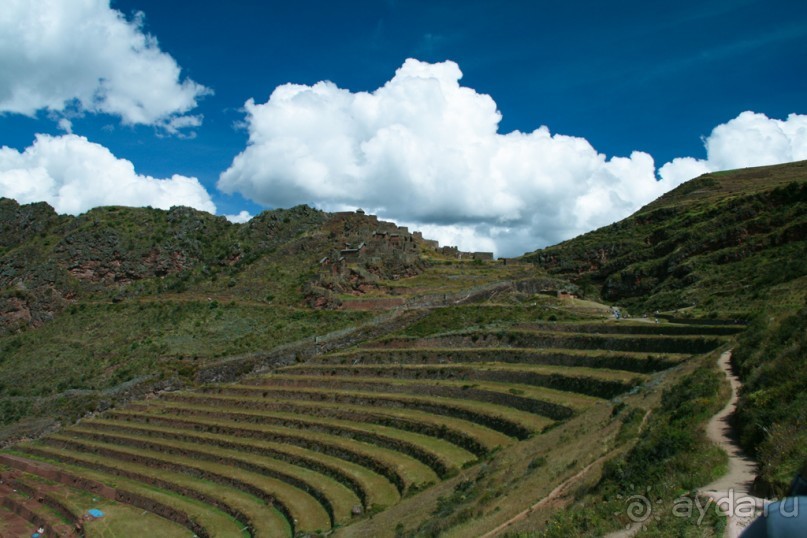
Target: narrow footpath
[(731, 492), (559, 492)]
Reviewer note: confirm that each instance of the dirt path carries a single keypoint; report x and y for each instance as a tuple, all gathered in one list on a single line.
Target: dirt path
[(731, 490), (559, 492), (553, 495), (742, 469)]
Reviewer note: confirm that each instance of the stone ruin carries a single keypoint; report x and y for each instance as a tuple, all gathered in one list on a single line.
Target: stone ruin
[(367, 250)]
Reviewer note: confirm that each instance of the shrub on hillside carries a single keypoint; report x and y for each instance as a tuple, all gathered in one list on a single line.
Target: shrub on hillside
[(660, 467), (772, 411)]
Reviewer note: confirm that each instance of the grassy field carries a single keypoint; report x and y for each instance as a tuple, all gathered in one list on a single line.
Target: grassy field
[(320, 439)]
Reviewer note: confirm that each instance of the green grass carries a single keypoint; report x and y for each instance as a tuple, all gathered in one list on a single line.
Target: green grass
[(442, 456), (33, 512), (472, 316), (660, 466), (301, 507), (580, 380), (417, 370), (475, 438), (521, 338), (450, 276), (716, 243), (636, 328), (123, 520), (411, 378), (404, 471), (119, 519), (215, 521), (333, 496), (264, 520), (574, 401), (504, 419), (373, 489), (92, 358), (517, 396), (770, 359), (103, 345), (628, 361)]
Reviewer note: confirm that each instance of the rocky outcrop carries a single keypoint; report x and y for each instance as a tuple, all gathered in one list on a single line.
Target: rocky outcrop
[(50, 261), (363, 251)]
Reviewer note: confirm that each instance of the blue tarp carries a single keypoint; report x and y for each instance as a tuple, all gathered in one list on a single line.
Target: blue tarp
[(94, 512)]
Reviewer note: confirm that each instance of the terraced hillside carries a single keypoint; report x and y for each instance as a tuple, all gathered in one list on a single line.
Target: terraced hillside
[(338, 441), (481, 404)]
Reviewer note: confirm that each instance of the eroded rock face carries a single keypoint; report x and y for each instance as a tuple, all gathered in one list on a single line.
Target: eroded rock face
[(30, 293), (14, 311), (30, 308)]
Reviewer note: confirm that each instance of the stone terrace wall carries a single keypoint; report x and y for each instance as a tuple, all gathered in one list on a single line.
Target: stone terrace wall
[(234, 367)]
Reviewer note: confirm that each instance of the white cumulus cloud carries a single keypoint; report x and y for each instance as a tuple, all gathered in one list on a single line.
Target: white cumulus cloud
[(72, 56), (73, 175), (750, 139), (426, 151), (240, 218)]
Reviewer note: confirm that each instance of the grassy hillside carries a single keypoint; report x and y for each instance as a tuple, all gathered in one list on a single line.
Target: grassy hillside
[(483, 386), (331, 373), (449, 422), (117, 301), (719, 244), (771, 358), (727, 245)]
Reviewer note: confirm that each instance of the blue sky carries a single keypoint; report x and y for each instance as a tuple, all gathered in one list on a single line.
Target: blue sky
[(624, 77)]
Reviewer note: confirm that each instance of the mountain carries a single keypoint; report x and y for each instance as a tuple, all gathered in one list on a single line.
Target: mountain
[(728, 245), (309, 373), (119, 297), (113, 253), (721, 243)]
